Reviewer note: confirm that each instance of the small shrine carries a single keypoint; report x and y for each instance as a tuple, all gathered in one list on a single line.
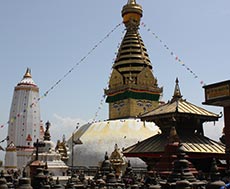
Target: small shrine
[(106, 166), (11, 157), (187, 120), (63, 149), (118, 161), (45, 153)]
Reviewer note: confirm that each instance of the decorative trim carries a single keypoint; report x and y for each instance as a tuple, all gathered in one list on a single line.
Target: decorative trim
[(134, 95)]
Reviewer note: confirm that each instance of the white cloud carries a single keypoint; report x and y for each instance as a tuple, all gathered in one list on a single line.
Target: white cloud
[(64, 126), (214, 130)]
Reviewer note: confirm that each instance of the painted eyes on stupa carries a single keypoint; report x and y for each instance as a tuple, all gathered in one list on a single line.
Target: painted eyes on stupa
[(118, 105), (144, 104)]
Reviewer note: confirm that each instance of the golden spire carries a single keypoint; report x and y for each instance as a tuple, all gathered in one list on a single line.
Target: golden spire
[(132, 79), (177, 94), (27, 78), (132, 55), (28, 73)]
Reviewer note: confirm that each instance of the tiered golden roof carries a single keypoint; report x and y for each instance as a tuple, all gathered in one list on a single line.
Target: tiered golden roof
[(132, 56), (132, 76), (180, 106)]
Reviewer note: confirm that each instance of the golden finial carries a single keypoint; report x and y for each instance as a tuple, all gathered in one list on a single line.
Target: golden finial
[(177, 94), (132, 2), (132, 11), (28, 73)]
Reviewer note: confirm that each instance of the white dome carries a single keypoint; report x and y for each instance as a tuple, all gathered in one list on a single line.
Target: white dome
[(100, 137)]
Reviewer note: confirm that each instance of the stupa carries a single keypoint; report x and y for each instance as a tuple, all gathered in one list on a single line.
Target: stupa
[(46, 154), (132, 90), (24, 122)]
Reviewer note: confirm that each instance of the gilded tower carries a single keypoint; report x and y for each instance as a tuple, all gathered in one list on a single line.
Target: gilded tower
[(132, 89)]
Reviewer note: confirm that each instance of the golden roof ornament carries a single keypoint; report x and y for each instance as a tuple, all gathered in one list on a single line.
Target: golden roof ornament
[(28, 73), (27, 78), (131, 2), (132, 48), (177, 94), (132, 13)]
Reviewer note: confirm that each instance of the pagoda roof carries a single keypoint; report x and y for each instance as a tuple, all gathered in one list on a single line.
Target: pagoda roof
[(180, 106), (194, 145)]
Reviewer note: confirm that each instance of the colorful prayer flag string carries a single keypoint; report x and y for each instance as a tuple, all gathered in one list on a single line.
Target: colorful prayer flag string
[(179, 60), (82, 59), (7, 138), (11, 120), (104, 96)]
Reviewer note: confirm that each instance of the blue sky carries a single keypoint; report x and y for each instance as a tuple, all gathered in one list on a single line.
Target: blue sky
[(50, 37)]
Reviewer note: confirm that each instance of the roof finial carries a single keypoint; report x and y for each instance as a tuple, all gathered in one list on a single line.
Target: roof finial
[(27, 78), (132, 2), (177, 94), (28, 73), (132, 13)]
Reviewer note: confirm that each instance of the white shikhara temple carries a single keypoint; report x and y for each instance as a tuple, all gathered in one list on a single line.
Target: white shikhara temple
[(24, 122)]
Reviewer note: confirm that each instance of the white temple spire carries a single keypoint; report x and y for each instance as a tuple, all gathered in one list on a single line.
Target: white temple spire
[(24, 119)]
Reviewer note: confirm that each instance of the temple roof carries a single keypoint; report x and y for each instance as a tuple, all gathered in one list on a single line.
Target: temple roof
[(27, 78), (193, 144), (132, 52), (187, 119), (179, 105)]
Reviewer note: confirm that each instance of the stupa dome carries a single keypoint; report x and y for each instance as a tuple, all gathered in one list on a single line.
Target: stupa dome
[(100, 137)]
